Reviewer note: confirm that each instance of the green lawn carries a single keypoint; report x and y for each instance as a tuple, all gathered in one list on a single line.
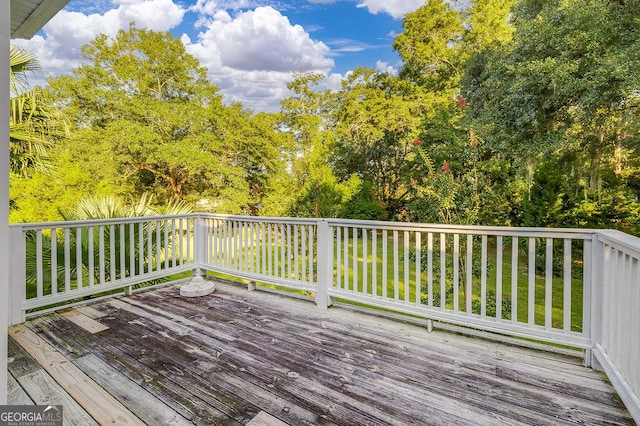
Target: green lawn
[(407, 289)]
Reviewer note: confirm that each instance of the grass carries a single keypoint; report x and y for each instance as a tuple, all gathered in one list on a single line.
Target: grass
[(407, 289)]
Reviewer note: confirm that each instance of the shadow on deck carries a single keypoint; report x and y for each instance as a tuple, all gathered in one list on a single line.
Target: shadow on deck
[(230, 356)]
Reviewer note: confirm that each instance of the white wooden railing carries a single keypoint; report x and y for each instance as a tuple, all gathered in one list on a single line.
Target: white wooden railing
[(53, 264), (616, 326), (273, 250), (504, 280), (573, 287)]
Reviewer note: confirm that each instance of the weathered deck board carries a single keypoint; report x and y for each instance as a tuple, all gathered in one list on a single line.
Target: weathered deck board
[(332, 373), (227, 357), (35, 386), (443, 378), (15, 394), (96, 401), (265, 419), (79, 343), (89, 324), (141, 402), (90, 312), (44, 390), (279, 368)]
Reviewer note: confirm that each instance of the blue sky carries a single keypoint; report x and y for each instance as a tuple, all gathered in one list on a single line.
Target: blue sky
[(250, 47)]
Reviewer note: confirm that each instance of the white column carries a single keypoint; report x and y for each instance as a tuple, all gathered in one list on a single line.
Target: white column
[(5, 22)]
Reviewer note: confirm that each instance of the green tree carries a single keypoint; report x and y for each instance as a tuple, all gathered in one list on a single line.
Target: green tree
[(377, 119), (34, 122), (430, 46), (316, 189), (436, 47), (564, 90), (145, 107)]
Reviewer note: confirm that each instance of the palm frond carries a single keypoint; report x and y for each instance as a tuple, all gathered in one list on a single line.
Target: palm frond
[(174, 207), (34, 124), (21, 62)]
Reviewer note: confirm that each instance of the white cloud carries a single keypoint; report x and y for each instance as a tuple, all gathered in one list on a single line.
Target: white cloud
[(386, 67), (205, 7), (160, 15), (252, 56), (341, 45), (59, 51), (395, 8)]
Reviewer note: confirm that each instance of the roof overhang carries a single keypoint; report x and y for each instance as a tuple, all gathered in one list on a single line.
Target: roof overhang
[(29, 16)]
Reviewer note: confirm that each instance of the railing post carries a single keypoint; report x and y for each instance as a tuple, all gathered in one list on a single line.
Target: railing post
[(596, 300), (324, 265), (198, 285), (17, 275)]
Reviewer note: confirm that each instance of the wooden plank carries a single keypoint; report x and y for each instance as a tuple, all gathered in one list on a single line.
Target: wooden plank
[(315, 386), (15, 394), (44, 390), (441, 375), (19, 362), (80, 319), (238, 353), (330, 404), (140, 401), (90, 311), (80, 343), (488, 376), (266, 419), (95, 400), (41, 326)]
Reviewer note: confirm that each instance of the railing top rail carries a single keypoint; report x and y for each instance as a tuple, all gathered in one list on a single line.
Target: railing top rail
[(291, 220), (619, 239), (575, 233), (97, 222)]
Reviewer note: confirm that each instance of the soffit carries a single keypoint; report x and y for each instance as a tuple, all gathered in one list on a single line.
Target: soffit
[(28, 16)]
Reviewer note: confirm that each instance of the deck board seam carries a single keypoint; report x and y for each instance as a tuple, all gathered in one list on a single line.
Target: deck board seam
[(100, 405)]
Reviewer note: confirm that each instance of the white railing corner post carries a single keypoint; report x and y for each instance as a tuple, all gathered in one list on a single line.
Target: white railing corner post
[(324, 265), (198, 286), (596, 300), (17, 275)]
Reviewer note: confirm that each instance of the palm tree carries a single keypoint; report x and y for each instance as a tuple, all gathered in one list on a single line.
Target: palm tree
[(108, 207), (34, 122)]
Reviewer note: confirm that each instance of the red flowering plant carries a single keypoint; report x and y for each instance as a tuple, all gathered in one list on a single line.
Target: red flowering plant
[(462, 102), (435, 188)]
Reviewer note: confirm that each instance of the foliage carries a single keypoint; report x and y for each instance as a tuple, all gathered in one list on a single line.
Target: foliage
[(147, 105), (509, 112), (362, 205), (316, 190), (376, 121), (34, 122), (559, 101)]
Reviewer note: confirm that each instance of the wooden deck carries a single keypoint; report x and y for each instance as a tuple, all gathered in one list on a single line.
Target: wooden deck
[(236, 357)]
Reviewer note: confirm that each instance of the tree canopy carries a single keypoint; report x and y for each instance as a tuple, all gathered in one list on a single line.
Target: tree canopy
[(509, 112)]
